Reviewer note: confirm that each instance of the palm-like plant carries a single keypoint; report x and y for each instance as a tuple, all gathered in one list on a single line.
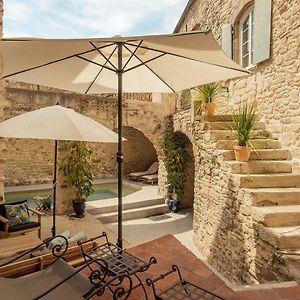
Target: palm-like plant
[(208, 92), (245, 119), (77, 166)]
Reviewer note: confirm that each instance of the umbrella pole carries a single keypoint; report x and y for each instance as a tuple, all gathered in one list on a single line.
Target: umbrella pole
[(120, 153), (53, 229)]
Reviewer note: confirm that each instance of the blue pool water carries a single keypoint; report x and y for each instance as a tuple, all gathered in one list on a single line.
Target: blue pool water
[(102, 191)]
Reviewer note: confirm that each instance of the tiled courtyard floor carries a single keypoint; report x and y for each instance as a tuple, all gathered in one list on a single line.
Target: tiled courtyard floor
[(168, 250)]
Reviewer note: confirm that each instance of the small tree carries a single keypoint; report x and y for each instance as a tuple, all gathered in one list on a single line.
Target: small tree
[(176, 161), (77, 166)]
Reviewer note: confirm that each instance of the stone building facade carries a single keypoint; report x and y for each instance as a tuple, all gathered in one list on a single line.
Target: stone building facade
[(225, 230), (275, 82), (142, 148)]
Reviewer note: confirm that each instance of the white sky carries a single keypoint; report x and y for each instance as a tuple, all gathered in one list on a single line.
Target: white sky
[(90, 18)]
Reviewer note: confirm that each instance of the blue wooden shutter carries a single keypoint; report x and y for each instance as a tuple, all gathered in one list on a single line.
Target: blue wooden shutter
[(262, 30), (226, 39)]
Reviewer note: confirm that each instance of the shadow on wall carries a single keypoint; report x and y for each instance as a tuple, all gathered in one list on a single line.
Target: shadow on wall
[(189, 173), (139, 152)]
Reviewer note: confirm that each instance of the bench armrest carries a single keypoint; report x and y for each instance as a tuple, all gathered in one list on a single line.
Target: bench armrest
[(3, 220)]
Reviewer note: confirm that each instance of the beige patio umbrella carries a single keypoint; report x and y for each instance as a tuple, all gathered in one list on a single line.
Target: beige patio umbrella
[(157, 63), (56, 123)]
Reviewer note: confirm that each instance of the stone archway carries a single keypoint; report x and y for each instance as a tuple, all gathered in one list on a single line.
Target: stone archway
[(189, 173), (139, 152)]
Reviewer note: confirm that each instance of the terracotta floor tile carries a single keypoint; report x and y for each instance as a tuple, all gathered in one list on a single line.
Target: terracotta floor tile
[(168, 251)]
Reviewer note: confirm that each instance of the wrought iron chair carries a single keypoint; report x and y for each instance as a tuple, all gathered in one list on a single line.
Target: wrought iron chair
[(119, 262), (60, 280), (181, 289)]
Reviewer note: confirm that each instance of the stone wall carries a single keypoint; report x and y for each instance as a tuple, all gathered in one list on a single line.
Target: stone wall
[(2, 105), (274, 84), (31, 161), (225, 232)]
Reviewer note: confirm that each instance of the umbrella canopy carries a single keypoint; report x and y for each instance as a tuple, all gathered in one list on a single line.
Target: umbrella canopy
[(56, 123), (161, 63), (157, 63)]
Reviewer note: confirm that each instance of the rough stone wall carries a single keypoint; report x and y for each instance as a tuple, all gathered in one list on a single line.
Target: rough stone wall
[(225, 232), (2, 105), (31, 161), (275, 82)]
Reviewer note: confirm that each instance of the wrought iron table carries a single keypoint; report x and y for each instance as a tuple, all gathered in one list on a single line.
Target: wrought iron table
[(119, 262)]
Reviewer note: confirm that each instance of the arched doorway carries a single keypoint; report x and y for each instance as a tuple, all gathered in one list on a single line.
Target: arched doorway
[(189, 172), (139, 152)]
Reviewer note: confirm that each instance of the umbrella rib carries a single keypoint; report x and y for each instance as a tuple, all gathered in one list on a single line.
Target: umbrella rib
[(107, 59), (188, 58), (151, 70), (54, 61), (97, 64), (132, 54), (143, 63)]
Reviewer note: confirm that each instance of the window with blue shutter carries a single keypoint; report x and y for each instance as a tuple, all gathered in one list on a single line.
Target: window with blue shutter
[(226, 39), (262, 30)]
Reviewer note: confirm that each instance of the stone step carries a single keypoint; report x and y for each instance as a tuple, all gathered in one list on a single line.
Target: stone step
[(257, 144), (261, 167), (287, 237), (267, 180), (274, 196), (277, 216), (217, 135), (215, 118), (262, 154), (229, 125), (135, 213), (113, 207)]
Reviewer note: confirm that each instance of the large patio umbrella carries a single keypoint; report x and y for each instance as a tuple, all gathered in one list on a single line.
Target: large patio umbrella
[(157, 63), (56, 123)]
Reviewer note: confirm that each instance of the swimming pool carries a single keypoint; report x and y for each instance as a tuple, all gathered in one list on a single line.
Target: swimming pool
[(102, 191)]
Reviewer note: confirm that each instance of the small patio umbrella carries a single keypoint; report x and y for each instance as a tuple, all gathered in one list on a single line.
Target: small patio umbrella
[(56, 123), (157, 63)]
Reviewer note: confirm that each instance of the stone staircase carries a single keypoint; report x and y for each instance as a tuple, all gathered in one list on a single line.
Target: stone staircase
[(107, 210), (268, 180)]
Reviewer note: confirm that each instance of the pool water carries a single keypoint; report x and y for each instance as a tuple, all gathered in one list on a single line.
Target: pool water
[(102, 191)]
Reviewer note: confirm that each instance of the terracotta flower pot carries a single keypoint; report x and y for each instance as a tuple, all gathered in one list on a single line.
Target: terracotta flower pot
[(242, 153), (210, 108)]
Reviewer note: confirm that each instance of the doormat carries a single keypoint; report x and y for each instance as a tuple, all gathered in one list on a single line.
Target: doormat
[(159, 217)]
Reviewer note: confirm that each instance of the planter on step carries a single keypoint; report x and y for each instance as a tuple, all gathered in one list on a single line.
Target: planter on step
[(173, 205), (209, 108), (79, 208), (242, 153)]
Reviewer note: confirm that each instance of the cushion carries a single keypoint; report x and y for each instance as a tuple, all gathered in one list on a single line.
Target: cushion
[(78, 237), (17, 213), (59, 240), (17, 227)]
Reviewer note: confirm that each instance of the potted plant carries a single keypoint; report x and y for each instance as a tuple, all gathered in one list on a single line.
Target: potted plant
[(206, 94), (176, 160), (77, 167), (244, 120)]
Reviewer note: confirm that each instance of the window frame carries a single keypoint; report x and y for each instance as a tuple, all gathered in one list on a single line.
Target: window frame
[(248, 13)]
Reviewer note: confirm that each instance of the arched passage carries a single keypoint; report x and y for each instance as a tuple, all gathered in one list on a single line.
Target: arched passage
[(189, 172), (139, 152)]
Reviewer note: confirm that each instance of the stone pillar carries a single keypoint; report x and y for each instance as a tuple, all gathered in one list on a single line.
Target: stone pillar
[(64, 193)]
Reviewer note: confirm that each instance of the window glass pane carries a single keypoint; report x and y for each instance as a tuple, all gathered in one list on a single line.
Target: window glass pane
[(245, 35), (246, 23), (245, 49), (246, 60)]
